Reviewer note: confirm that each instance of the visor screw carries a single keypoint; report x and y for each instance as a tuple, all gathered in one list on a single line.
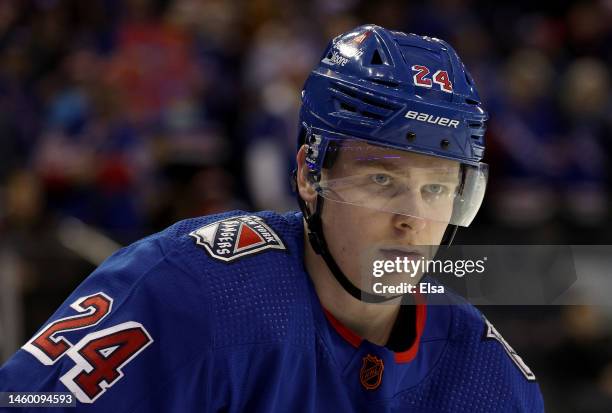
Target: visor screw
[(410, 136), (444, 144)]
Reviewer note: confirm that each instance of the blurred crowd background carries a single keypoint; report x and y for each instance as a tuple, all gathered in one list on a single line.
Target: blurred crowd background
[(120, 117)]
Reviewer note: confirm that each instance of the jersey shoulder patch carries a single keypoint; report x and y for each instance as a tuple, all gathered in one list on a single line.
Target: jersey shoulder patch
[(236, 237)]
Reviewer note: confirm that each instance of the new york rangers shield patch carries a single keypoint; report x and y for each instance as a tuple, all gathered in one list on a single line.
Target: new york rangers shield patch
[(236, 237)]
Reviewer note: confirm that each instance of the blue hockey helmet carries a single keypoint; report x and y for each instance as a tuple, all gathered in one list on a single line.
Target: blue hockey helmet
[(398, 91)]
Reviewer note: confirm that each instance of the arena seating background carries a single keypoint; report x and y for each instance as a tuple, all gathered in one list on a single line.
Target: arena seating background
[(120, 117)]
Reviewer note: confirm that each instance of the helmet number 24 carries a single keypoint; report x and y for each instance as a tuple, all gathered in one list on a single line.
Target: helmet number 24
[(440, 78)]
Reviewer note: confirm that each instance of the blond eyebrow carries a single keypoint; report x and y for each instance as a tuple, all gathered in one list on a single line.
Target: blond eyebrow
[(378, 162), (390, 166)]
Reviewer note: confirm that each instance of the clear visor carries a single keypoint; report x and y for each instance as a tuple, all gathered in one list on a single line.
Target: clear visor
[(400, 182)]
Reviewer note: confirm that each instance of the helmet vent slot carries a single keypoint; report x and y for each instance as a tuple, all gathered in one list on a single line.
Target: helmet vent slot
[(384, 82), (376, 58), (347, 107), (373, 115), (363, 97)]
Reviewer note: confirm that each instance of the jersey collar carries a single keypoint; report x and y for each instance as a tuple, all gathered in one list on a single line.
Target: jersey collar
[(400, 357)]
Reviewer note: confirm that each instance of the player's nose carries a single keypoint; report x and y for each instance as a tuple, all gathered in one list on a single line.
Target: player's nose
[(409, 223)]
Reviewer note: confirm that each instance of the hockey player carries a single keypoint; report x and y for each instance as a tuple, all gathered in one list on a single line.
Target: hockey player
[(260, 312)]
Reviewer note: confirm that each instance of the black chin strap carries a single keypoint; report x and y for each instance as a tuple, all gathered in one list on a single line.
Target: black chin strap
[(319, 245)]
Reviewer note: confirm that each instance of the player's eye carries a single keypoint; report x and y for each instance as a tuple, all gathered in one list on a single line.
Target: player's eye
[(432, 192), (381, 179)]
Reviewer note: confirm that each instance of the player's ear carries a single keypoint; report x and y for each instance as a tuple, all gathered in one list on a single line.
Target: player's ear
[(304, 184)]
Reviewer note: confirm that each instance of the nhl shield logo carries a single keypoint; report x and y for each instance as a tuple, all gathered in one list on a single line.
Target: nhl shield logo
[(371, 372), (237, 237)]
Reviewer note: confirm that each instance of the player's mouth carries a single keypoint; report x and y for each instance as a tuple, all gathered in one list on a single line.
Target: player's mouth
[(393, 253)]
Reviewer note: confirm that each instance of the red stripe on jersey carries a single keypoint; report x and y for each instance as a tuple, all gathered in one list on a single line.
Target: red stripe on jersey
[(400, 357)]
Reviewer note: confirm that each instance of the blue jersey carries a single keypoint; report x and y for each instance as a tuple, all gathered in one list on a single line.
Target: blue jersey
[(218, 314)]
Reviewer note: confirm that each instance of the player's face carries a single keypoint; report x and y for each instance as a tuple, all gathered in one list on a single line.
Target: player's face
[(386, 206)]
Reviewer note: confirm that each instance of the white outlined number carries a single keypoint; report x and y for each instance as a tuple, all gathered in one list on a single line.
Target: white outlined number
[(49, 345), (99, 356), (440, 78), (419, 77)]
